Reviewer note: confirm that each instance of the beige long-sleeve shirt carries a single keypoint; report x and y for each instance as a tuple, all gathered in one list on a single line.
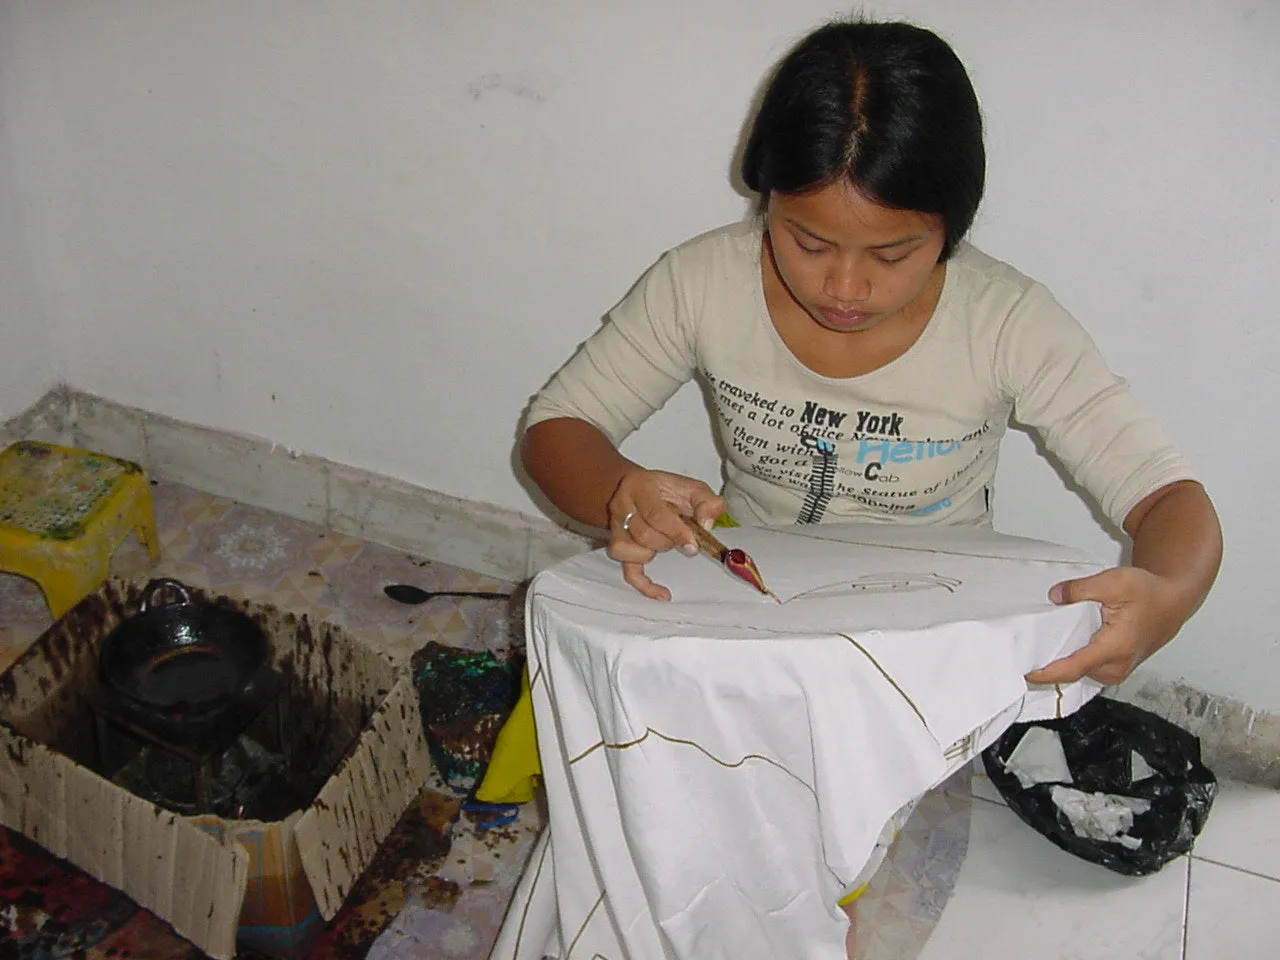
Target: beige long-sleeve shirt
[(915, 441)]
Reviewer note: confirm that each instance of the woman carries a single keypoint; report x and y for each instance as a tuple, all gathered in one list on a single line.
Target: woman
[(863, 360)]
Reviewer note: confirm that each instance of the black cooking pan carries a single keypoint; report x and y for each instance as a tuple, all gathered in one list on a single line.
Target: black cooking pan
[(182, 655)]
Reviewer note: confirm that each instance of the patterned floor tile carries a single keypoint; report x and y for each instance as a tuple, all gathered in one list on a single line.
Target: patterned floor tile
[(248, 545), (907, 894), (21, 603)]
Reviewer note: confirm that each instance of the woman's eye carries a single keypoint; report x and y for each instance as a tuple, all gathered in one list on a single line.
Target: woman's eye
[(808, 249), (890, 261)]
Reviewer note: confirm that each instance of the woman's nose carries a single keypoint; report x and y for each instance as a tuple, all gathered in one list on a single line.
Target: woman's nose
[(847, 283)]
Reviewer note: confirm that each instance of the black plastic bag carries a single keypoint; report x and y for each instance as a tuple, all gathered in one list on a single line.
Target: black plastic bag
[(1099, 742)]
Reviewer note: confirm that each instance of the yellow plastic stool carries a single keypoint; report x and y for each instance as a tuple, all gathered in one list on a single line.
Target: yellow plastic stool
[(63, 513)]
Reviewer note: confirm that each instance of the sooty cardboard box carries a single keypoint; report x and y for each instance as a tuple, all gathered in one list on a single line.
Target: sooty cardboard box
[(351, 726)]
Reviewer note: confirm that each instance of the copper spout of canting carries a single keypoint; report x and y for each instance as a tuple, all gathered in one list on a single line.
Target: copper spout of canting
[(736, 561)]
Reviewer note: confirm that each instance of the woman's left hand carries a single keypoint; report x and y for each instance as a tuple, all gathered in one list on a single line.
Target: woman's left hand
[(1177, 547), (1140, 614)]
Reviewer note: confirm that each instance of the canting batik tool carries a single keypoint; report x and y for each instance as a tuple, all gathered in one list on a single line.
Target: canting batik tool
[(734, 560)]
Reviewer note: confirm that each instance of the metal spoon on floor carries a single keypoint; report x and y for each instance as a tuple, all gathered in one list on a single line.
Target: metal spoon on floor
[(407, 593)]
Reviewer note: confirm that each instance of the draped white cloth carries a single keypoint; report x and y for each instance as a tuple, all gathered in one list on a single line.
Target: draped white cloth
[(718, 768)]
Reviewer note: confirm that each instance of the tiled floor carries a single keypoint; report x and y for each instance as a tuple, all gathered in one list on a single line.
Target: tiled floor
[(1018, 897), (452, 910)]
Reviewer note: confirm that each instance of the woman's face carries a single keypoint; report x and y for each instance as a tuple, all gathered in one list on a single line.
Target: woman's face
[(850, 263)]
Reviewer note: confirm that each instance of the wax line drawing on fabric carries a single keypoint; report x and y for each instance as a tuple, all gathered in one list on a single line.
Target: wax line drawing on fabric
[(885, 673), (583, 929), (772, 634), (537, 875), (787, 532), (678, 618), (649, 731), (883, 583), (966, 745)]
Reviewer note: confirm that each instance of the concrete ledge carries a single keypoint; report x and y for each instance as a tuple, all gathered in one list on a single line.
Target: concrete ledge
[(477, 536), (1237, 742), (47, 420)]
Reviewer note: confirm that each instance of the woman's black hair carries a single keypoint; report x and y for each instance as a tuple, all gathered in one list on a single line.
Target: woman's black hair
[(887, 107)]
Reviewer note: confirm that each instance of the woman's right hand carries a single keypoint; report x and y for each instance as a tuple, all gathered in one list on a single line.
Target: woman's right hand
[(645, 519)]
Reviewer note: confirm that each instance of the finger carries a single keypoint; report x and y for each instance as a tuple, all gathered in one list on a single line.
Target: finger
[(1070, 668), (1112, 674), (1093, 661), (625, 518), (623, 524), (633, 574), (660, 527), (689, 498), (1108, 674), (633, 558), (626, 550), (1104, 587), (706, 511)]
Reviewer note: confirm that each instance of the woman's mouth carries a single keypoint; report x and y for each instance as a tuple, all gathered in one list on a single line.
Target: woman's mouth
[(846, 319)]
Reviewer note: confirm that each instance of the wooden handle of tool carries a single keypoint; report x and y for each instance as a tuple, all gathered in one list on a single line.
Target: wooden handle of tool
[(706, 542)]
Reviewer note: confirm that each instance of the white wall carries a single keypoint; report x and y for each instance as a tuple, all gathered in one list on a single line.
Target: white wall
[(26, 355), (371, 231)]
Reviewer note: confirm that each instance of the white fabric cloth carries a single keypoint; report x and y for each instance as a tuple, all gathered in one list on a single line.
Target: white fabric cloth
[(718, 768)]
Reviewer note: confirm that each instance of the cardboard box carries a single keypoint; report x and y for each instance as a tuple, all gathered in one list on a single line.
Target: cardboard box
[(215, 880)]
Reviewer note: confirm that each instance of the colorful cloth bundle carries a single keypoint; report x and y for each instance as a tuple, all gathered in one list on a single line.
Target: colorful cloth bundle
[(464, 697)]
